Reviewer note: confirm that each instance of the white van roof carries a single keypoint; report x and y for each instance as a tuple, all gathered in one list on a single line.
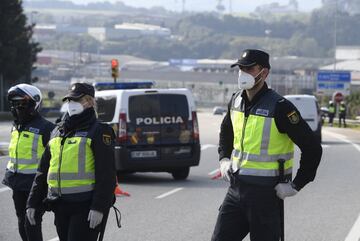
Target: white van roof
[(122, 98)]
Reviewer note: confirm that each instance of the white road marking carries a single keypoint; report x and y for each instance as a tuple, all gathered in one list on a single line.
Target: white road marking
[(206, 146), (325, 146), (354, 234), (169, 193), (54, 239), (343, 138), (3, 158), (213, 172), (4, 189)]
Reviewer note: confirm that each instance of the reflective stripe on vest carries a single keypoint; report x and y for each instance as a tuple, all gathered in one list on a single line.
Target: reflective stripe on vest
[(25, 151), (258, 145), (72, 165)]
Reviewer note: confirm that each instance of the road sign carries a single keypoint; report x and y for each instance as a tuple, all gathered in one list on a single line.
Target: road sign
[(338, 97), (329, 82)]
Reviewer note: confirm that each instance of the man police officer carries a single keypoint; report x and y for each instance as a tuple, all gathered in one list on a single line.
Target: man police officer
[(260, 128), (77, 170), (29, 137)]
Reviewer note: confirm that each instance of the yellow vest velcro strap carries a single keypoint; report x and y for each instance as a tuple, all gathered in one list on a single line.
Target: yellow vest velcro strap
[(71, 176), (24, 171), (262, 158), (27, 171), (263, 172), (71, 190), (24, 161)]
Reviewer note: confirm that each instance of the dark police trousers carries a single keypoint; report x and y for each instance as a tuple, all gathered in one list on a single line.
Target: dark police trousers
[(248, 209), (27, 232), (71, 221)]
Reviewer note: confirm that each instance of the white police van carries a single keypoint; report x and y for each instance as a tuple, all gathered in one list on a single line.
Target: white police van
[(157, 129), (309, 110)]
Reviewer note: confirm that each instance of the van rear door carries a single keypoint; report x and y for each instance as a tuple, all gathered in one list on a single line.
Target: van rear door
[(159, 119), (308, 110)]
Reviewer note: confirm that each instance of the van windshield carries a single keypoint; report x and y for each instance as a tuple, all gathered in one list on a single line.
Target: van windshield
[(153, 105), (106, 108)]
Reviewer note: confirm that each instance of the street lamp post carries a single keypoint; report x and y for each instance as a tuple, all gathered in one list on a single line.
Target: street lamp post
[(335, 31), (32, 13), (268, 33)]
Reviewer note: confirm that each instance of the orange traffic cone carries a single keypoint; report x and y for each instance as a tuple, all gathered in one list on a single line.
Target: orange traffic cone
[(217, 176), (118, 192)]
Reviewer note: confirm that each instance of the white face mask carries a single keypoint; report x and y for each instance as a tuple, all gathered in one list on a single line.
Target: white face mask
[(247, 81), (74, 108)]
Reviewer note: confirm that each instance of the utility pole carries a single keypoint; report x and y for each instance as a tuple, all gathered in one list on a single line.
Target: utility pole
[(335, 32), (230, 6)]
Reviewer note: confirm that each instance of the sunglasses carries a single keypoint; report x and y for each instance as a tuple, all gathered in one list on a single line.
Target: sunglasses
[(19, 103)]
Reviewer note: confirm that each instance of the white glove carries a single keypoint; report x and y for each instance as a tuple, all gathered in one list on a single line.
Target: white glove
[(95, 218), (284, 190), (225, 168), (30, 214)]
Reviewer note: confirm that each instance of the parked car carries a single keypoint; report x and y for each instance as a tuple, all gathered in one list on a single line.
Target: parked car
[(309, 110), (219, 110)]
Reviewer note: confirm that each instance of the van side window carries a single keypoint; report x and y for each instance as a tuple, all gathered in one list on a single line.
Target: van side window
[(106, 108)]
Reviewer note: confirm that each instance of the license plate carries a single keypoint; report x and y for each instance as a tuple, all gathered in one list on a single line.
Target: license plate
[(143, 154)]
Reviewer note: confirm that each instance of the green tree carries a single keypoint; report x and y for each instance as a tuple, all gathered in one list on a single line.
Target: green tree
[(353, 104), (17, 50)]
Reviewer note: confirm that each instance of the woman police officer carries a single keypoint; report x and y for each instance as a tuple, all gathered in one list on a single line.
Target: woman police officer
[(77, 170)]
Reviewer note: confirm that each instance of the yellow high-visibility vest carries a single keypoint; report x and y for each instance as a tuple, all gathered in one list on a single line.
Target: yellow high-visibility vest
[(72, 164), (25, 151), (258, 144), (332, 109)]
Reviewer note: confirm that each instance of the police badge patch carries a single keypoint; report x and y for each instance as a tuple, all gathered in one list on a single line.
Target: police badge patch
[(107, 139), (293, 117)]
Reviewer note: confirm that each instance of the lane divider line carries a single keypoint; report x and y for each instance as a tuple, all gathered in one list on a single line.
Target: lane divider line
[(343, 138), (213, 172), (206, 146), (2, 158), (54, 239), (169, 193), (354, 234), (4, 189)]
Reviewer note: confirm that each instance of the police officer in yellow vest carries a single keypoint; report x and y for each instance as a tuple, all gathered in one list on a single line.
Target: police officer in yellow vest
[(342, 114), (260, 128), (331, 113), (29, 136), (77, 170)]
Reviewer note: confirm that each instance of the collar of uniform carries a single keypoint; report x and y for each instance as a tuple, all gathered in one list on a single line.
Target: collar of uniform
[(21, 126), (258, 95)]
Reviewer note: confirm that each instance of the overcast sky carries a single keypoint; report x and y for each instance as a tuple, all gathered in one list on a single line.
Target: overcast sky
[(207, 5)]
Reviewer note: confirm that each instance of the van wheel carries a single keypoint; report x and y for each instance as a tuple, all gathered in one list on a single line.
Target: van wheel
[(181, 174)]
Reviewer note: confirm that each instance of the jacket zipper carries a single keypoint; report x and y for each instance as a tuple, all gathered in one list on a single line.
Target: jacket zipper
[(242, 140), (59, 168), (16, 153)]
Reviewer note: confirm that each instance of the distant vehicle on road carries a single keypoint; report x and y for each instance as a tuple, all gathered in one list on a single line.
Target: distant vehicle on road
[(324, 113), (309, 110), (219, 110)]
